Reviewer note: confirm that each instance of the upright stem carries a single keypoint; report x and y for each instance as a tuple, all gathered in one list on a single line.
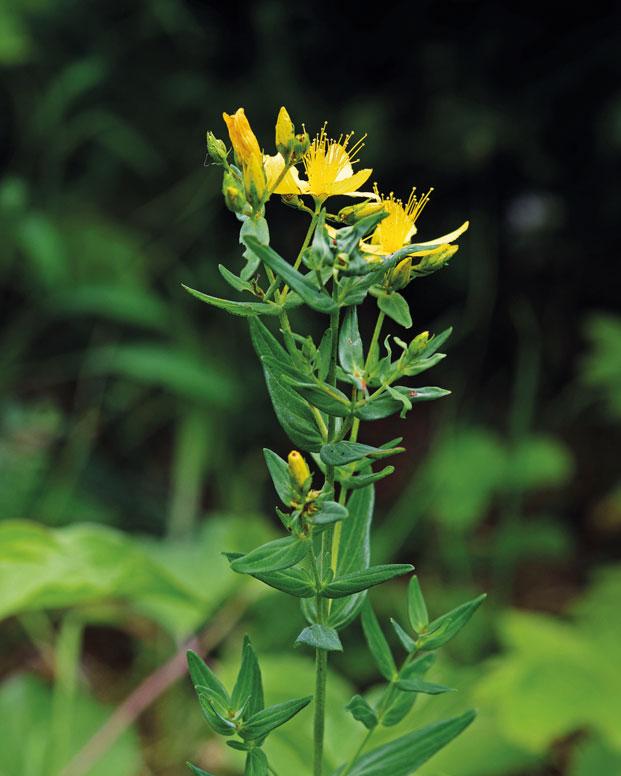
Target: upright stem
[(321, 655)]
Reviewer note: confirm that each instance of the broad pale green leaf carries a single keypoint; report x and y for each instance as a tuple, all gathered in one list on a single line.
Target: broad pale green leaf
[(293, 412), (417, 608), (378, 646), (243, 309), (263, 722), (442, 630), (395, 307), (279, 472), (385, 405), (362, 580), (320, 637), (362, 711), (406, 754), (344, 452), (248, 684), (273, 556), (351, 356), (315, 298), (257, 228)]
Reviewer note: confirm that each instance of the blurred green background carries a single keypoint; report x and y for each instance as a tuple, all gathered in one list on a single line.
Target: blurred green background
[(132, 418)]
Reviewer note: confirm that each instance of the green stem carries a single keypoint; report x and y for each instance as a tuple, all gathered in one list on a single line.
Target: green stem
[(321, 675), (275, 282)]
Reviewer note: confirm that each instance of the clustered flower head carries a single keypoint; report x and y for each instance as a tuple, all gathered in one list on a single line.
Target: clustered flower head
[(319, 169)]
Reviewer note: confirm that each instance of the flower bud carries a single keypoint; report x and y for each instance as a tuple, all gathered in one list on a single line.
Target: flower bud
[(233, 193), (255, 181), (285, 133), (301, 144), (298, 468), (399, 277), (353, 213), (216, 148), (418, 344)]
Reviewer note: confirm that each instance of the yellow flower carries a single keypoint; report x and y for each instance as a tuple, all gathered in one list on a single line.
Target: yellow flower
[(399, 226), (274, 166), (329, 167), (245, 143)]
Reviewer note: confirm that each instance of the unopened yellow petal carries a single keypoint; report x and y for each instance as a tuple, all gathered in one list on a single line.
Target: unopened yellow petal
[(243, 139)]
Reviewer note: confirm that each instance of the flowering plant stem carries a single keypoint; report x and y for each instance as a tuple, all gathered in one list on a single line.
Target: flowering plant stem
[(321, 393)]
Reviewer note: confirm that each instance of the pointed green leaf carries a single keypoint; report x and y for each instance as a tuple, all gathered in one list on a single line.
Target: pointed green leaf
[(320, 637), (294, 581), (363, 480), (314, 297), (417, 608), (234, 281), (279, 472), (385, 405), (395, 307), (256, 763), (404, 637), (273, 556), (378, 646), (248, 684), (243, 309), (362, 580), (444, 628), (263, 722), (351, 356), (342, 453), (406, 754), (203, 676), (420, 685), (361, 711), (198, 771), (329, 512), (401, 702)]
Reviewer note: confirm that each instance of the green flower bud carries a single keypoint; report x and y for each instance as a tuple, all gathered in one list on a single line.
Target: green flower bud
[(233, 193), (216, 148), (418, 344), (399, 277), (354, 213), (301, 144)]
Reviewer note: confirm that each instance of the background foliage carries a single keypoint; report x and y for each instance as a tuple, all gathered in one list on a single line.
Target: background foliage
[(132, 419)]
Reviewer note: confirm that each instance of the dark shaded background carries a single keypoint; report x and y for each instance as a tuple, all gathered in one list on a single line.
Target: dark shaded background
[(125, 403)]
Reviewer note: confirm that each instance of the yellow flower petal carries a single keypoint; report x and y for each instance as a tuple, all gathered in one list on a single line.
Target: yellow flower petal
[(351, 184), (274, 166), (448, 238)]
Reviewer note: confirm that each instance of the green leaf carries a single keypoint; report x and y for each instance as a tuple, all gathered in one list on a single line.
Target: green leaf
[(215, 719), (420, 685), (324, 353), (256, 763), (273, 556), (354, 552), (329, 512), (293, 581), (266, 720), (279, 472), (243, 309), (342, 453), (234, 281), (404, 637), (293, 412), (362, 580), (385, 405), (401, 702), (320, 637), (407, 753), (248, 687), (417, 608), (395, 307), (257, 228), (363, 480), (362, 711), (326, 398), (203, 676), (198, 771), (351, 356), (378, 646), (314, 298), (444, 628)]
